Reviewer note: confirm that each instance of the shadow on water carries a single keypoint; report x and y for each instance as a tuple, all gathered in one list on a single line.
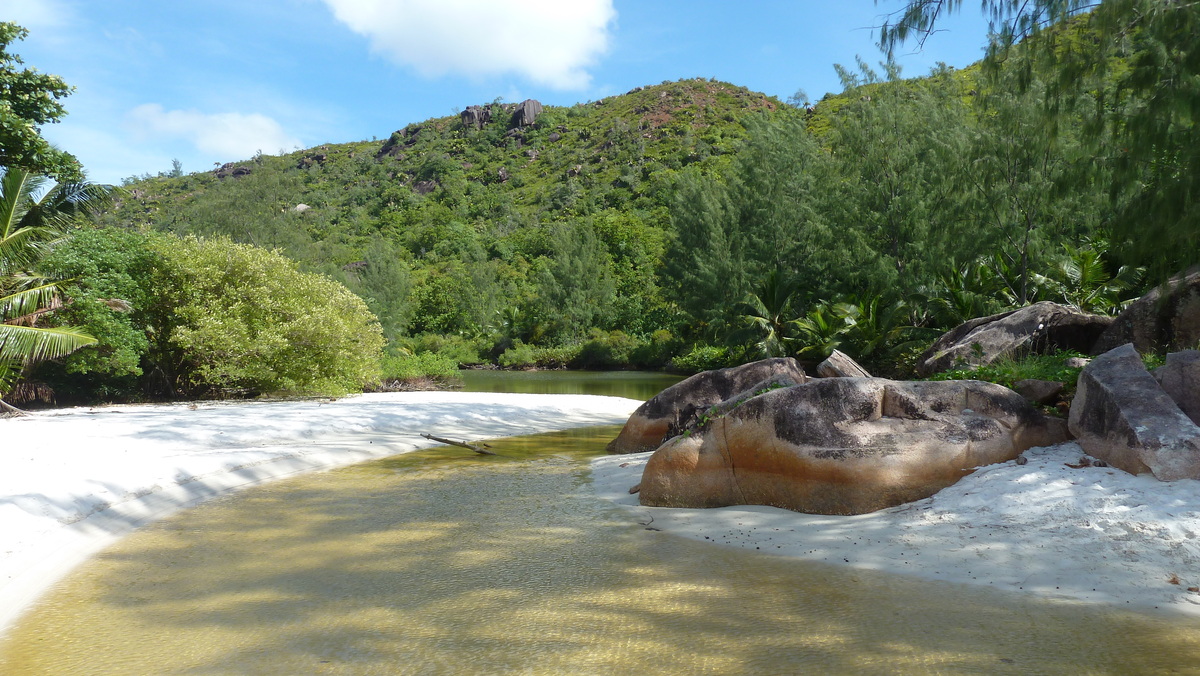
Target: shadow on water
[(630, 384), (447, 562)]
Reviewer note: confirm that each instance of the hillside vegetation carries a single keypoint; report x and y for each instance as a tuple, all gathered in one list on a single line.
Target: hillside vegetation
[(697, 223)]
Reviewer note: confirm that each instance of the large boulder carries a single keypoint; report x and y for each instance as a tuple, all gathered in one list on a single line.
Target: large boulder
[(1165, 319), (845, 445), (1121, 415), (670, 410), (526, 113), (1038, 328), (1180, 379)]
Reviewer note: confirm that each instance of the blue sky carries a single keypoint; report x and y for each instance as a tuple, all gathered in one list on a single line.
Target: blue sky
[(213, 81)]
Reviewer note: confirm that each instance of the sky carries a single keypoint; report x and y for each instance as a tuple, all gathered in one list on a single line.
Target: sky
[(206, 82)]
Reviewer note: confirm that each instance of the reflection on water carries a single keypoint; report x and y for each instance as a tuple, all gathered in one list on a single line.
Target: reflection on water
[(630, 384), (444, 562)]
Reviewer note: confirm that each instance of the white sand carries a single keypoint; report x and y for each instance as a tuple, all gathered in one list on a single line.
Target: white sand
[(73, 481), (1089, 534)]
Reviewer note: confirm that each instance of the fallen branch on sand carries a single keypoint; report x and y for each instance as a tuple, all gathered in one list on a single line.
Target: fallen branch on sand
[(478, 448)]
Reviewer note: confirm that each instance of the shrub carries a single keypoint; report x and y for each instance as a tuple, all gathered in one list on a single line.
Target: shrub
[(519, 355), (702, 358), (605, 351), (414, 366), (238, 318)]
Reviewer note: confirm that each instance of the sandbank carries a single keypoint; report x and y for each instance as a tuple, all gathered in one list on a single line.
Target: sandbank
[(74, 480), (1047, 527)]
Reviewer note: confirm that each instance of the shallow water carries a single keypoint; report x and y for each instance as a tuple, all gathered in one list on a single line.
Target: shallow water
[(443, 562), (631, 384)]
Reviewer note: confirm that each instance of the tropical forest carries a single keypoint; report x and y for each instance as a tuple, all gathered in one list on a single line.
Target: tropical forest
[(683, 226)]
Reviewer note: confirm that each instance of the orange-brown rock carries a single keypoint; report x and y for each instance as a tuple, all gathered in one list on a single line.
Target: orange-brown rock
[(845, 445), (670, 410)]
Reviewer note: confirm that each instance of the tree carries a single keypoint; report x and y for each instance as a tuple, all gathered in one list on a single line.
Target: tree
[(1141, 60), (29, 99), (29, 226), (246, 319)]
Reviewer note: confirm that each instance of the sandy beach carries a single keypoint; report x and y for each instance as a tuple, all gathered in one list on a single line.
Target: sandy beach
[(1048, 527), (74, 480)]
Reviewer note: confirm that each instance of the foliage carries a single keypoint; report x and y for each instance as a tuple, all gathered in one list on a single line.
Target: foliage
[(1008, 372), (29, 99), (248, 320), (1138, 63), (206, 318), (703, 358), (408, 367), (29, 226)]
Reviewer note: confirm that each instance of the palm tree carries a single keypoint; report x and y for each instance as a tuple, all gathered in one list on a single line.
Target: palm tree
[(768, 310), (29, 228)]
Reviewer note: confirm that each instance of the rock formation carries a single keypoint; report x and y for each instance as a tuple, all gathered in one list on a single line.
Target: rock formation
[(670, 410), (1038, 328), (1180, 379), (845, 445), (526, 113), (1122, 415), (1162, 320), (476, 116), (840, 365)]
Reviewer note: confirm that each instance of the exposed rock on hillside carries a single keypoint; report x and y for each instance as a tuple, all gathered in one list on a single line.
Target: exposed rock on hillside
[(526, 113), (476, 116), (845, 445), (675, 407), (1041, 327)]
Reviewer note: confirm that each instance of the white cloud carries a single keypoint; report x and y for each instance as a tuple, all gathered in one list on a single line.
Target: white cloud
[(224, 135), (37, 14), (549, 41)]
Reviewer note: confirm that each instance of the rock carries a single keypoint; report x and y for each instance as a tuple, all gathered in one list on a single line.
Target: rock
[(1121, 415), (845, 445), (1180, 379), (1163, 320), (230, 169), (1076, 362), (311, 160), (554, 136), (840, 365), (425, 187), (300, 208), (502, 174), (673, 408), (1039, 328), (526, 113), (476, 116), (1039, 391)]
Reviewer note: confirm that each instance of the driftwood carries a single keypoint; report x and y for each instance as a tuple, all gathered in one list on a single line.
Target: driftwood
[(478, 448)]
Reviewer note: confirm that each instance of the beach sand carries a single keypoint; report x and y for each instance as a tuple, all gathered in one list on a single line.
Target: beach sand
[(1082, 534), (74, 480)]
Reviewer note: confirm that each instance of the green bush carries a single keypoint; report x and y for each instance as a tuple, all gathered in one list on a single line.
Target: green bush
[(702, 358), (240, 319), (655, 353), (460, 350), (518, 356), (407, 367), (605, 351)]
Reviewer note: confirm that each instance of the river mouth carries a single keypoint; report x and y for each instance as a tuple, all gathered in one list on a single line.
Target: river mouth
[(445, 562)]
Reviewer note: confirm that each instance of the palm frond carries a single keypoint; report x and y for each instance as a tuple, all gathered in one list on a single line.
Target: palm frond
[(30, 344)]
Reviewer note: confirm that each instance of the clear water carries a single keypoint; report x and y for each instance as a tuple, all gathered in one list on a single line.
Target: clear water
[(443, 562), (630, 384)]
